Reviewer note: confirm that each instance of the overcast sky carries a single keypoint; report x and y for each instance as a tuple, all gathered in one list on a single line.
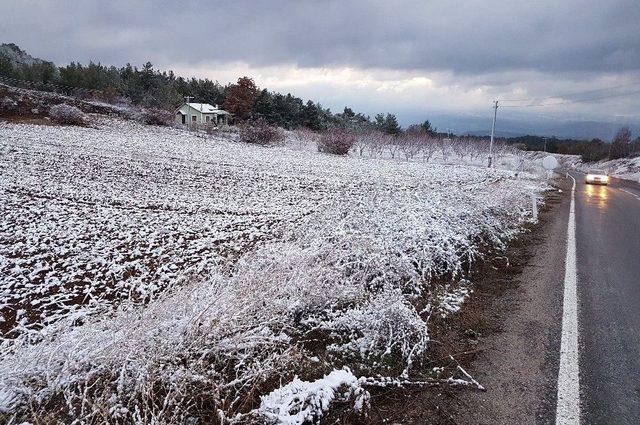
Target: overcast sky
[(414, 58)]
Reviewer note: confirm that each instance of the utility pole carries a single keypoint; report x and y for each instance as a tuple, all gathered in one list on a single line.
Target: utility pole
[(493, 131), (188, 98), (545, 143)]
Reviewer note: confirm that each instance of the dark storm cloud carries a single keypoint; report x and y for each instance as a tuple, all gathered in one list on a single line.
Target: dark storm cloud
[(466, 37)]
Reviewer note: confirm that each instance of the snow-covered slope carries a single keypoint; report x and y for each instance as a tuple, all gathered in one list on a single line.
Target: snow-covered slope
[(238, 258), (17, 56), (623, 168)]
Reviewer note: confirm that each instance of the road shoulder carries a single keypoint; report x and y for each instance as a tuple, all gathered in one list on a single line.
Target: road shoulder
[(518, 365)]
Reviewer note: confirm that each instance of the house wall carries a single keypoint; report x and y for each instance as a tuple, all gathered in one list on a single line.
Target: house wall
[(186, 109), (200, 117), (213, 118)]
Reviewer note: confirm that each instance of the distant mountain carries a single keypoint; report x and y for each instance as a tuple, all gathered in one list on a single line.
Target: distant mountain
[(522, 125), (17, 56)]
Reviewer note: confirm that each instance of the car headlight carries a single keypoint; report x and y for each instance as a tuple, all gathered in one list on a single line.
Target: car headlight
[(590, 177)]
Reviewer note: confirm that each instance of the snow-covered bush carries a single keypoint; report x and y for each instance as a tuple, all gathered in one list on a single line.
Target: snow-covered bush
[(67, 114), (154, 116), (302, 402), (301, 138), (8, 105), (260, 132), (336, 141)]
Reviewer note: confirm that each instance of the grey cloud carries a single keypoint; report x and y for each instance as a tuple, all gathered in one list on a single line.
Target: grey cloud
[(539, 47), (466, 37)]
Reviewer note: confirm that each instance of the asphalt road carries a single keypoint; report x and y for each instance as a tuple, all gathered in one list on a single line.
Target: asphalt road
[(608, 270), (519, 366)]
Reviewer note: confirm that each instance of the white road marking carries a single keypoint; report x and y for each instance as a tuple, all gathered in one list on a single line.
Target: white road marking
[(568, 405), (631, 193)]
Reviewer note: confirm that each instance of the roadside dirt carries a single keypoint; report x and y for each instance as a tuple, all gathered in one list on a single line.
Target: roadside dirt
[(506, 337)]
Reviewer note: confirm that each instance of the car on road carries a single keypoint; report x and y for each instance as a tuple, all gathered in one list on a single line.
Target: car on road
[(597, 177)]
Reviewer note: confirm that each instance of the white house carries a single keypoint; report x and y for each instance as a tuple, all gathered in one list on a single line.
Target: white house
[(201, 113)]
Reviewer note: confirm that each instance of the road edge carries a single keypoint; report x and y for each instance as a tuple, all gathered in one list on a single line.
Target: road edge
[(568, 396)]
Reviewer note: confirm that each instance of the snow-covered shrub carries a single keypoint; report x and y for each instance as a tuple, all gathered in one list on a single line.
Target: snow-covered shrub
[(302, 402), (67, 114), (7, 104), (260, 132), (336, 141), (303, 137), (385, 325), (154, 116)]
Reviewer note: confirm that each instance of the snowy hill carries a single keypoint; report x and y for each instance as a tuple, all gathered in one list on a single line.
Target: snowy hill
[(17, 56), (623, 168)]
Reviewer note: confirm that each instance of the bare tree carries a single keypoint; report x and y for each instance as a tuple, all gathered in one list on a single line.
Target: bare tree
[(364, 139), (259, 132), (621, 144), (429, 147), (377, 143), (459, 148), (392, 144), (445, 147), (304, 136), (410, 144)]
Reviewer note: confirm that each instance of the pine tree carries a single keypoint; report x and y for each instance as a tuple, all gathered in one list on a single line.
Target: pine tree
[(312, 116), (388, 124), (427, 127)]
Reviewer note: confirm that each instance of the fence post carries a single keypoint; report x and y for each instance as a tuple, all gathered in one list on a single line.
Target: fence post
[(534, 207)]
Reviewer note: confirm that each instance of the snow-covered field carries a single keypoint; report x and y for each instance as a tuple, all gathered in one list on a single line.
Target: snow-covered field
[(150, 275)]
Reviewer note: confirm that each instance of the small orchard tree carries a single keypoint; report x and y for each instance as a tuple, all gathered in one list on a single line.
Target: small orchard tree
[(392, 144), (429, 147), (445, 148), (376, 143), (366, 139), (410, 144), (303, 136)]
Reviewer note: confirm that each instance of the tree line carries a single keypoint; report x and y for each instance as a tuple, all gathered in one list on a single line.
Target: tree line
[(622, 146), (152, 88)]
